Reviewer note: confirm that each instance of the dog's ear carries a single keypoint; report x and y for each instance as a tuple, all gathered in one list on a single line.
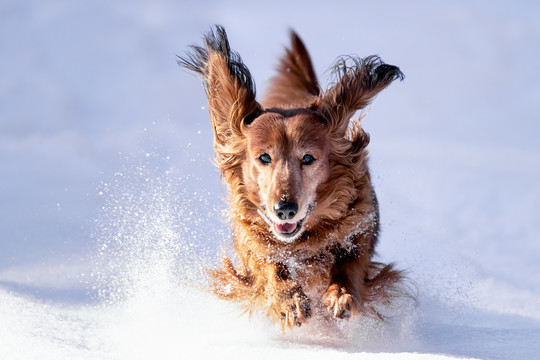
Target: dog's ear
[(295, 82), (229, 87), (357, 82)]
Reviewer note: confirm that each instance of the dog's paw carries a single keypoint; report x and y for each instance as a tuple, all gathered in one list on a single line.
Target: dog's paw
[(295, 308), (340, 303)]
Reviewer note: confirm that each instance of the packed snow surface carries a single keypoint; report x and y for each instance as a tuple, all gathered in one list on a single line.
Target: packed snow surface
[(111, 209)]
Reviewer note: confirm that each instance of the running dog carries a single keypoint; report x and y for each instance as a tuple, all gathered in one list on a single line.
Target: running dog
[(304, 213)]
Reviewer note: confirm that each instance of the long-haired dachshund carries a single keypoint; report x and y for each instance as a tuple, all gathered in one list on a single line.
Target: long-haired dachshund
[(304, 213)]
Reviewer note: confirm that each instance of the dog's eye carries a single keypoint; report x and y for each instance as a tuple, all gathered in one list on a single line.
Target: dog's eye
[(308, 159), (265, 159)]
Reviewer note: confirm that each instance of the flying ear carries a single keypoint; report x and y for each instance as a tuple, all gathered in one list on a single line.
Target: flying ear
[(295, 83), (357, 82), (230, 90)]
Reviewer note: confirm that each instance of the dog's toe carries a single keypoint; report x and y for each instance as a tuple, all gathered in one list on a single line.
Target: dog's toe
[(296, 312), (340, 303)]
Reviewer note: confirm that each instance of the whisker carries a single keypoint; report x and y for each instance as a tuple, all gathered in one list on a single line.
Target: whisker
[(265, 218)]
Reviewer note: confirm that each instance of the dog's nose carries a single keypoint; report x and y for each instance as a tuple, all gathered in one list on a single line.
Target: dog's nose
[(286, 210)]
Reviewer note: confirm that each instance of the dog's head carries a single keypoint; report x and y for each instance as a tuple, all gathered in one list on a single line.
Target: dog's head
[(277, 155), (286, 161)]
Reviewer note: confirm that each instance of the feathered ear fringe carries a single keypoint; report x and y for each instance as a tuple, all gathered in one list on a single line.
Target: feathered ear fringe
[(356, 82), (231, 96), (216, 41)]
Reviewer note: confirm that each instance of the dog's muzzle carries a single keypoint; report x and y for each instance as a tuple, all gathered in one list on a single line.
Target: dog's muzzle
[(283, 231)]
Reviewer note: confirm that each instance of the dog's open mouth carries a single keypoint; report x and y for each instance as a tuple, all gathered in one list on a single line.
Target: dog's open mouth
[(288, 229), (283, 231)]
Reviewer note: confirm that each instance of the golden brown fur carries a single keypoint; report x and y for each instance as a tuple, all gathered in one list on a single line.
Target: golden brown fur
[(304, 212)]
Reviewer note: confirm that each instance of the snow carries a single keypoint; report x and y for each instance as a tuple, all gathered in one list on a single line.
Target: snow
[(110, 206)]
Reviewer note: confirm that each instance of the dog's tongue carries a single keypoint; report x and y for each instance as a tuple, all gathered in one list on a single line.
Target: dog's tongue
[(286, 228)]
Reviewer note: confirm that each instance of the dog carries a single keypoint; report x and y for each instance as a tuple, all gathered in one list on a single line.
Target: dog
[(304, 213)]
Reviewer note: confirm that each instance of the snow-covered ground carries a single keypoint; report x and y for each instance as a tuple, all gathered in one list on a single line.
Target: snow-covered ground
[(110, 206)]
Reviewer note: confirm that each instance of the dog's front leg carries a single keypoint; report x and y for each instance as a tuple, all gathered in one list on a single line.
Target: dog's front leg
[(347, 280), (285, 299)]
